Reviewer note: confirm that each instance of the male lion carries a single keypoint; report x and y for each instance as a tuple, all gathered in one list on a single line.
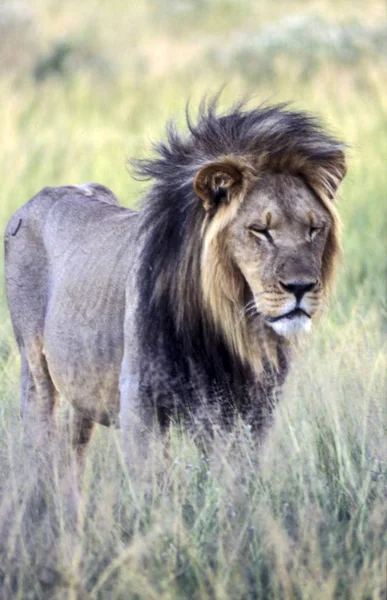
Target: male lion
[(137, 317)]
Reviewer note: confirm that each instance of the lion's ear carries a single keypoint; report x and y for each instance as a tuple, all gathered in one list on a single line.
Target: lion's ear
[(330, 175), (217, 184)]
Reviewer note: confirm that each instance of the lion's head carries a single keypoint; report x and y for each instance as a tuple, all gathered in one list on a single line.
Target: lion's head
[(268, 249), (244, 230)]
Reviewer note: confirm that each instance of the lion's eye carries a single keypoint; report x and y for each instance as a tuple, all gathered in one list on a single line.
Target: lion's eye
[(262, 233), (313, 231)]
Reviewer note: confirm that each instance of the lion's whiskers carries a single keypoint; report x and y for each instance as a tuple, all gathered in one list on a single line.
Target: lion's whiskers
[(248, 310)]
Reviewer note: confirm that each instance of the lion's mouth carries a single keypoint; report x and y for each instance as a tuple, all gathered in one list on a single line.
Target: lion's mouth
[(293, 314)]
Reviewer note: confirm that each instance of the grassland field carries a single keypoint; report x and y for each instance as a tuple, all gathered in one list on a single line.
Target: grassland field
[(83, 88)]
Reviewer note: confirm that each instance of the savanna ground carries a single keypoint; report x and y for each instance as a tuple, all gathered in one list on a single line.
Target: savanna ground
[(83, 87)]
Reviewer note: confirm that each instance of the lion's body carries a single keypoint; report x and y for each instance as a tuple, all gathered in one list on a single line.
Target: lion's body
[(136, 316), (68, 310), (69, 305)]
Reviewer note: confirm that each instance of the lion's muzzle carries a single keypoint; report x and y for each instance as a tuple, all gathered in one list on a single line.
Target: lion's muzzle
[(298, 288)]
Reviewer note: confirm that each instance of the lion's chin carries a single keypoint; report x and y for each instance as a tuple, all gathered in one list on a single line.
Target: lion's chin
[(288, 327)]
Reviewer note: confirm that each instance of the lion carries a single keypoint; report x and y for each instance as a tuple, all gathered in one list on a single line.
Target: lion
[(188, 305)]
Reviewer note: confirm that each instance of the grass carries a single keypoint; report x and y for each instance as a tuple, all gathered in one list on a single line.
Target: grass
[(301, 515)]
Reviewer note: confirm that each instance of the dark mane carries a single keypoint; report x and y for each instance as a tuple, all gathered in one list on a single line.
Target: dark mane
[(274, 131), (172, 321)]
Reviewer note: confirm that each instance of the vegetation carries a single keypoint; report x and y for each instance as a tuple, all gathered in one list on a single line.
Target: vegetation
[(303, 515)]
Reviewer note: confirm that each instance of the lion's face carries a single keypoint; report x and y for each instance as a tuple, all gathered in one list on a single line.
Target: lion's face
[(270, 244), (277, 241)]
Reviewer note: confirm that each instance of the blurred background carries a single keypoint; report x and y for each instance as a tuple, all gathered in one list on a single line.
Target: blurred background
[(86, 85)]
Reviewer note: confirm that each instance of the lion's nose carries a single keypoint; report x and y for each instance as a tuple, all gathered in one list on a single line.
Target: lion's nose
[(298, 288)]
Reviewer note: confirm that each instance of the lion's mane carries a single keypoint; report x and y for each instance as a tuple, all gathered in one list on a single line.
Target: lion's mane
[(193, 341)]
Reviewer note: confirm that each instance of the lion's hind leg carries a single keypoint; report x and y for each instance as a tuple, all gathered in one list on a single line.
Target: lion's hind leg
[(27, 285), (81, 430), (39, 400)]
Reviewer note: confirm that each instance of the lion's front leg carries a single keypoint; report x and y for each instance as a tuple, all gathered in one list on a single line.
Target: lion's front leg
[(135, 429)]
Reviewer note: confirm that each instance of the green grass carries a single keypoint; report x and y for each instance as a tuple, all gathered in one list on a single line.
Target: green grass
[(301, 515)]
